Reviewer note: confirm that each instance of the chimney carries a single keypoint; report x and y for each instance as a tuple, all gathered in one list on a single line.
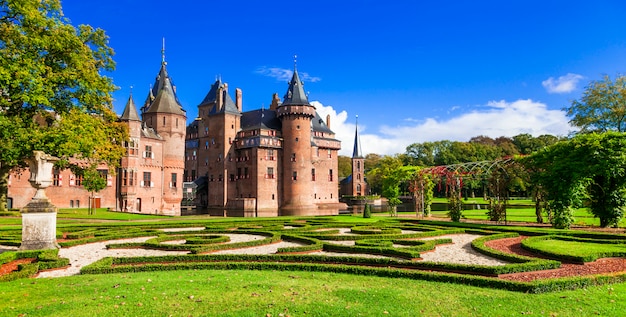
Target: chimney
[(219, 103), (275, 101), (328, 121), (238, 98)]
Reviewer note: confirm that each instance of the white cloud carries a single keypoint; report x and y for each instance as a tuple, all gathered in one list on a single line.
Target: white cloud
[(497, 118), (563, 84), (284, 74)]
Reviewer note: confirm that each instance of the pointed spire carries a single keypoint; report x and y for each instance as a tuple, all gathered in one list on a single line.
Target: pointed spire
[(130, 111), (163, 52), (356, 153), (295, 93)]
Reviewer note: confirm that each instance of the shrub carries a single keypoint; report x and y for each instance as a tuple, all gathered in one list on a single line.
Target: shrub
[(367, 212)]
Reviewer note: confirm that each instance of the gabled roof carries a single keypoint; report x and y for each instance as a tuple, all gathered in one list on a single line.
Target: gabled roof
[(295, 93), (130, 111), (211, 99), (260, 119)]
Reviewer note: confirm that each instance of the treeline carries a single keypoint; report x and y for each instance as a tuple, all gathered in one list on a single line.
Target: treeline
[(479, 148)]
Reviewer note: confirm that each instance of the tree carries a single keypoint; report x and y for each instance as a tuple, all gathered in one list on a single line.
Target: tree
[(602, 107), (53, 96), (590, 167), (94, 181), (344, 166)]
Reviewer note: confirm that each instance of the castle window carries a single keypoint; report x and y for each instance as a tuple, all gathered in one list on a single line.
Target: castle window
[(296, 139), (78, 180), (56, 177), (147, 180), (294, 176), (177, 122), (163, 121), (211, 178), (124, 178), (148, 152), (193, 175), (220, 178), (173, 182), (358, 166), (245, 172), (313, 174), (270, 155), (206, 130), (330, 175), (272, 196), (232, 177), (132, 178), (298, 127), (358, 177), (206, 144), (293, 157), (270, 173), (330, 153)]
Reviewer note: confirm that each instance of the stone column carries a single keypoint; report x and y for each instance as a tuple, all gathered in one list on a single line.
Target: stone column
[(39, 216)]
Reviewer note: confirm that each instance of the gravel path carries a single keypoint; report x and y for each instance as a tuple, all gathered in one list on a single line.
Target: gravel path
[(85, 254), (460, 251)]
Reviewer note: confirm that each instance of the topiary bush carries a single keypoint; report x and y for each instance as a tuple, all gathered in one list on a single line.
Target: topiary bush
[(367, 212)]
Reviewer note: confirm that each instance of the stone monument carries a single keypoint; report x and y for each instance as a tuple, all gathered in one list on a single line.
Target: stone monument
[(39, 216)]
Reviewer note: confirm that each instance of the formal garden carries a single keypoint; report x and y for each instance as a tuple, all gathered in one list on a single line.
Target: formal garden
[(120, 264)]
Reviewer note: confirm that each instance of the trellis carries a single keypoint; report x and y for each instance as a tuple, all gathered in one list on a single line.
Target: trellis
[(453, 176)]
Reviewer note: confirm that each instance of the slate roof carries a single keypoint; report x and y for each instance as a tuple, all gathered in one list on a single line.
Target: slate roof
[(260, 119), (211, 98), (295, 92), (356, 152), (130, 111), (319, 125), (165, 99)]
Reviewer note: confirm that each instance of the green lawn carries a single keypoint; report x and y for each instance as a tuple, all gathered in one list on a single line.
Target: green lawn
[(577, 248), (256, 293)]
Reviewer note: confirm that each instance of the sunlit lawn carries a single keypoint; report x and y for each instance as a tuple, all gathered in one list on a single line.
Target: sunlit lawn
[(257, 293)]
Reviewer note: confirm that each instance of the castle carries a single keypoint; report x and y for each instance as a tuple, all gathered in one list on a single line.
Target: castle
[(264, 162)]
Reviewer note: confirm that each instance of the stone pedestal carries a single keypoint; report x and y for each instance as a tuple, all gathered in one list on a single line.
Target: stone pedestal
[(39, 231), (39, 216)]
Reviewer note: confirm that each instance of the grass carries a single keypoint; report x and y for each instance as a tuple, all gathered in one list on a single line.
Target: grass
[(255, 293), (576, 248), (272, 293)]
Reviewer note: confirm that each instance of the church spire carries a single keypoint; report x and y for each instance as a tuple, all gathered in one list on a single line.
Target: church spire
[(356, 153)]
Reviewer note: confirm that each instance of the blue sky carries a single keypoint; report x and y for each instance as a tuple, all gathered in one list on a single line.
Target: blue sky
[(413, 71)]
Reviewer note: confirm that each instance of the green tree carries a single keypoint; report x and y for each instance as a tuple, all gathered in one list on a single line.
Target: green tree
[(93, 181), (602, 107), (344, 166), (53, 96), (589, 167)]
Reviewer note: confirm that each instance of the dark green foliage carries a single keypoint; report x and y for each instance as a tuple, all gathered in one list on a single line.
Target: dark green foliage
[(367, 211)]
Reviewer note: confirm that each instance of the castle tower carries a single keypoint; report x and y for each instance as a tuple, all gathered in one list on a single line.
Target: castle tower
[(167, 118), (359, 187), (296, 114), (219, 121), (128, 167)]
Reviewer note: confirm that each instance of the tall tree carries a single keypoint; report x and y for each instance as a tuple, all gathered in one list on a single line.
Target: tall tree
[(591, 167), (344, 166), (53, 95), (602, 107)]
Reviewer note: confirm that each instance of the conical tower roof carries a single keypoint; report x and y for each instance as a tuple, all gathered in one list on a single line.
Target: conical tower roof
[(130, 111), (163, 95), (356, 152), (295, 93)]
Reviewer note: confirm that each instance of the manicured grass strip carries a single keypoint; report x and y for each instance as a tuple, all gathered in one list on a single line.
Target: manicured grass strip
[(573, 250), (104, 266)]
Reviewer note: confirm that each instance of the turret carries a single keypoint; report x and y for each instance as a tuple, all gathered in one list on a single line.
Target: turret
[(296, 114), (167, 117)]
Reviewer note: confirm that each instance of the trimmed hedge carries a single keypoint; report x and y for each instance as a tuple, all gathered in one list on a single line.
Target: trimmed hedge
[(311, 244), (529, 244)]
